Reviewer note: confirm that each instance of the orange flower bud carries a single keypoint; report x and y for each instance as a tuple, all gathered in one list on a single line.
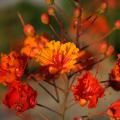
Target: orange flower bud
[(110, 51), (104, 5), (45, 18), (49, 2), (51, 11), (29, 30), (77, 12), (103, 47), (117, 24), (83, 102), (102, 8)]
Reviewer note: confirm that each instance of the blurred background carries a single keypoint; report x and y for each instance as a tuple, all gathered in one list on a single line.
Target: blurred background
[(12, 36)]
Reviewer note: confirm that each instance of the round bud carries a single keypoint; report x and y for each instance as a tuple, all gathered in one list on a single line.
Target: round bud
[(103, 47), (29, 30), (49, 2), (77, 12), (51, 11), (83, 102), (110, 51), (104, 6), (45, 18), (117, 24)]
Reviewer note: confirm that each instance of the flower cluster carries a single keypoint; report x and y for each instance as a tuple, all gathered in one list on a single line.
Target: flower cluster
[(87, 89), (62, 56)]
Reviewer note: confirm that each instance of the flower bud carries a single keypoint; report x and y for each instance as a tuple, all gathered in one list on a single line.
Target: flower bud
[(45, 18), (117, 24), (83, 102), (103, 47), (104, 5), (77, 12), (29, 30), (110, 51), (49, 2), (102, 8), (51, 11)]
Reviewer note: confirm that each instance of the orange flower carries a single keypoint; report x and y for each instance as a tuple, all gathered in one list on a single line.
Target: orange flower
[(11, 68), (114, 110), (115, 73), (32, 45), (58, 57), (87, 89)]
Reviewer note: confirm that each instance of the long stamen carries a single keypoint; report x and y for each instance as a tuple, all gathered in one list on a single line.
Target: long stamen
[(63, 31), (96, 62), (52, 28), (62, 12), (21, 19)]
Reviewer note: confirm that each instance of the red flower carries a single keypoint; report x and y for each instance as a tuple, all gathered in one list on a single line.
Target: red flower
[(20, 97), (11, 68), (87, 89), (114, 110)]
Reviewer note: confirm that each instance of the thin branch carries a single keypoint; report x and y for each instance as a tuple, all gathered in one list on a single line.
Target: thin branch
[(73, 80), (99, 39), (71, 105), (78, 25), (43, 116), (93, 115), (106, 81), (87, 66), (63, 13), (52, 28), (48, 92), (63, 31), (60, 89), (56, 91), (43, 106), (65, 98)]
